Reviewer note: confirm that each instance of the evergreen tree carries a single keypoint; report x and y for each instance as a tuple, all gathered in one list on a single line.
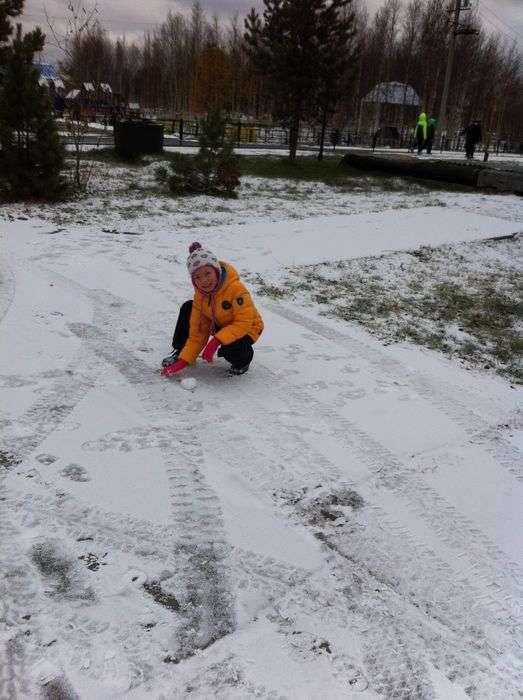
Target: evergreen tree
[(8, 10), (302, 49), (30, 149), (214, 170), (284, 50)]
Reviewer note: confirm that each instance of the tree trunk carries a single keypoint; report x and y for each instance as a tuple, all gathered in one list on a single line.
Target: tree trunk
[(322, 133), (293, 138)]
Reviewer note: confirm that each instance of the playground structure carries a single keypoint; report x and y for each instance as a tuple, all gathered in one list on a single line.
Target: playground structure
[(393, 108)]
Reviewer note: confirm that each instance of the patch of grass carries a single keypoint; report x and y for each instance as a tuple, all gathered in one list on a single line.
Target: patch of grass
[(59, 571), (333, 171), (328, 507), (8, 460), (268, 290), (132, 212), (109, 155), (432, 301), (167, 600), (450, 301), (305, 168)]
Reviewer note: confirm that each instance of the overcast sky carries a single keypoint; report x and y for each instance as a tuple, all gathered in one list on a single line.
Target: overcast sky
[(133, 17)]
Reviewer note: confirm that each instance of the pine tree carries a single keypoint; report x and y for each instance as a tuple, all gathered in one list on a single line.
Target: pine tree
[(214, 170), (302, 49), (31, 153), (8, 10), (284, 50)]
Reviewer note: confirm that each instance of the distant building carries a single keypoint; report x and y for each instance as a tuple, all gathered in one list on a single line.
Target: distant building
[(88, 100), (49, 76)]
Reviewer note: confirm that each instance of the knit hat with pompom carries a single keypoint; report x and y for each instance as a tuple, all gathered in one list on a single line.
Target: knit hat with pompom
[(199, 257)]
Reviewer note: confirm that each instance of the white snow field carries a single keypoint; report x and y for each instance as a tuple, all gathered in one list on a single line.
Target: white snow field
[(343, 521)]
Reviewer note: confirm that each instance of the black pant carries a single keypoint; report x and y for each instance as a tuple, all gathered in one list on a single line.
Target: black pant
[(470, 147), (239, 353), (420, 139)]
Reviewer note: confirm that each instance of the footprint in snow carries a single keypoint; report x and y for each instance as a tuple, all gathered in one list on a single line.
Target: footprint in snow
[(46, 459), (132, 579), (352, 394), (75, 472), (348, 369)]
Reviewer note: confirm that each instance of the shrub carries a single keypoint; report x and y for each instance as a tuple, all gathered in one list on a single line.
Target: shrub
[(214, 170)]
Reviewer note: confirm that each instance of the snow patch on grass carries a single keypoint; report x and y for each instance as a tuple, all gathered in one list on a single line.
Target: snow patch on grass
[(462, 300)]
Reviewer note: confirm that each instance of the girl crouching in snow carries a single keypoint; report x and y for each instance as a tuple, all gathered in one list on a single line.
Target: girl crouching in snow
[(221, 317)]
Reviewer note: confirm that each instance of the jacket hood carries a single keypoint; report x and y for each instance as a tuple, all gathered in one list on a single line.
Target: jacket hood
[(229, 275)]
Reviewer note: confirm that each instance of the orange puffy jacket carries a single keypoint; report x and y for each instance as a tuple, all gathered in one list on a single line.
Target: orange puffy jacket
[(234, 315)]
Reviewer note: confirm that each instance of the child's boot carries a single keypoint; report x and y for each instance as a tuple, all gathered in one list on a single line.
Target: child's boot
[(170, 359), (235, 371)]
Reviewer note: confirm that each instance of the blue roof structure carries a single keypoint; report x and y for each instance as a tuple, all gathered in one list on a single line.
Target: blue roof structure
[(46, 70)]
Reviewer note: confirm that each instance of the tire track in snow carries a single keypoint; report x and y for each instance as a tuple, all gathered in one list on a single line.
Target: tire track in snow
[(140, 538), (442, 597), (51, 408), (494, 568), (306, 458), (441, 395), (428, 610), (208, 604), (454, 622), (267, 569), (7, 280), (196, 510), (67, 518), (20, 636), (126, 353), (12, 658), (195, 507), (20, 604)]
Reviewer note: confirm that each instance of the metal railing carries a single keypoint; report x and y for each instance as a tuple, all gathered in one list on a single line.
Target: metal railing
[(261, 134)]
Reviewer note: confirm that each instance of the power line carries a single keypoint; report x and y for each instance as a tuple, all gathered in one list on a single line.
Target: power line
[(486, 7), (496, 27)]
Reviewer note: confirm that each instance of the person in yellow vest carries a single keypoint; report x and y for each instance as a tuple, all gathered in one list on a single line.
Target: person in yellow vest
[(421, 132), (221, 318)]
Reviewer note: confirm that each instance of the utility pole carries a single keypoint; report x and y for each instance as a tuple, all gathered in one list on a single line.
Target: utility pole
[(450, 62), (456, 30)]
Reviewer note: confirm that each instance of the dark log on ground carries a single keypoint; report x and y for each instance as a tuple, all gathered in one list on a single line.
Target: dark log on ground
[(501, 176)]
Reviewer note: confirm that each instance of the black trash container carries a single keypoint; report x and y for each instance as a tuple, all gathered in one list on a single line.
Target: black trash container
[(134, 137)]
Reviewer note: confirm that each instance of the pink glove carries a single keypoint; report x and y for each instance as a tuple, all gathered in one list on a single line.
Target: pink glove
[(210, 349), (175, 367)]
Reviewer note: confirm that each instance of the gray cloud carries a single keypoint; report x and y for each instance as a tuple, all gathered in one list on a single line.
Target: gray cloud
[(132, 17)]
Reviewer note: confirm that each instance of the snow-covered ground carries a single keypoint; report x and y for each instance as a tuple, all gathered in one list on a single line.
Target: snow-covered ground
[(342, 521)]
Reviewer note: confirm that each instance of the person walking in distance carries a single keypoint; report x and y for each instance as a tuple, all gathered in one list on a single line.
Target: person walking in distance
[(472, 138), (421, 132), (431, 130)]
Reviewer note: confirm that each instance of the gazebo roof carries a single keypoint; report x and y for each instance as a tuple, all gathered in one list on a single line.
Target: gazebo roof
[(393, 94)]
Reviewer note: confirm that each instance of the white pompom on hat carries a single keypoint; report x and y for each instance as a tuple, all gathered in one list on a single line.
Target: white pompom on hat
[(199, 257)]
